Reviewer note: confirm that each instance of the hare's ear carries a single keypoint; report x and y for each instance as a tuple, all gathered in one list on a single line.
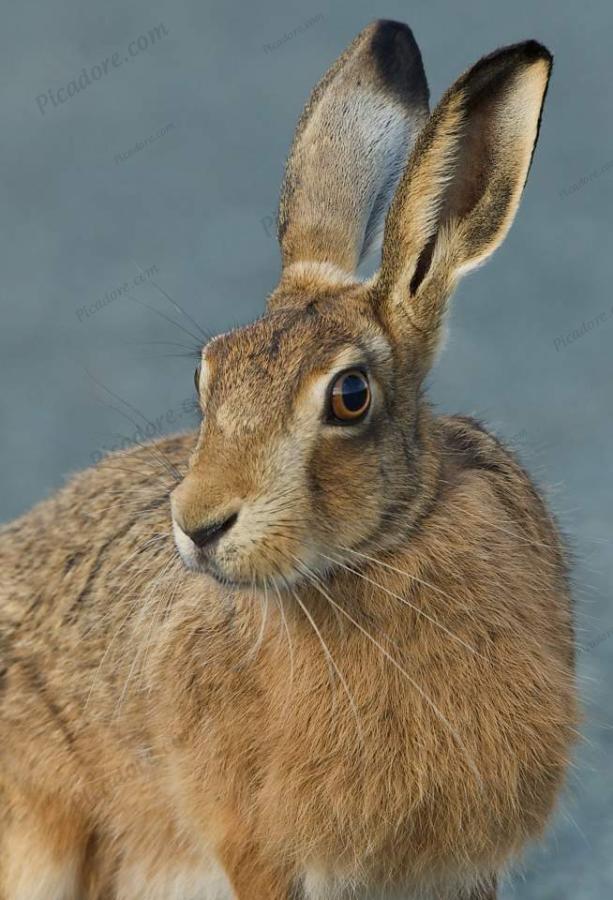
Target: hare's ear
[(462, 185), (350, 147)]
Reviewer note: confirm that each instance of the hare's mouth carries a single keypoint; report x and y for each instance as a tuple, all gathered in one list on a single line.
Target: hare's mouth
[(208, 566), (252, 564)]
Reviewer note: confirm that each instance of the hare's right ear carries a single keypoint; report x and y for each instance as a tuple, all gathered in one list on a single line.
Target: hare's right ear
[(350, 148), (461, 189)]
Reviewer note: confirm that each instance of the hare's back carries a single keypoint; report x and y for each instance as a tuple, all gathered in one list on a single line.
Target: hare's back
[(77, 566)]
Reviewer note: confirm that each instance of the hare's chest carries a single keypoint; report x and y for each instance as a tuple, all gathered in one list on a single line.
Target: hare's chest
[(339, 776)]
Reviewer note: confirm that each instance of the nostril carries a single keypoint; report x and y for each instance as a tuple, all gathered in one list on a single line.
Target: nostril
[(208, 533)]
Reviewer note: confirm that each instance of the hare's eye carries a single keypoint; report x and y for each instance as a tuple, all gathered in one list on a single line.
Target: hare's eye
[(197, 379), (349, 397)]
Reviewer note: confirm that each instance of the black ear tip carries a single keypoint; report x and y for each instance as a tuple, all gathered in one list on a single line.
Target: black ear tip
[(398, 59), (492, 72), (525, 53), (392, 31), (534, 51)]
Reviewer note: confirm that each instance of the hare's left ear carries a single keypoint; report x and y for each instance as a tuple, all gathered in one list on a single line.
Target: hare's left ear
[(461, 188), (350, 148)]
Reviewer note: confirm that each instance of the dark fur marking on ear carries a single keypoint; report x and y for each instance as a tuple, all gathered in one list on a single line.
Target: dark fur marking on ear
[(423, 265), (540, 118)]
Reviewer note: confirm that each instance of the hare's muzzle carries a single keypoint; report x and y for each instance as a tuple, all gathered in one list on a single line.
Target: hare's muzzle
[(198, 526)]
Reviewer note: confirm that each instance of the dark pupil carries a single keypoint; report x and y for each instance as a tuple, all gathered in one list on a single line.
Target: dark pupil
[(354, 392)]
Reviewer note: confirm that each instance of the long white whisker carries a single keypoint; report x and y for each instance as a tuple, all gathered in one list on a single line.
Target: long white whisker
[(331, 660), (412, 681), (117, 631), (419, 611), (289, 637), (157, 538), (144, 611), (258, 643)]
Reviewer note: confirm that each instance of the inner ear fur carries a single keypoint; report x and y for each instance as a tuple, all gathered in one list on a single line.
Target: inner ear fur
[(350, 148), (462, 185)]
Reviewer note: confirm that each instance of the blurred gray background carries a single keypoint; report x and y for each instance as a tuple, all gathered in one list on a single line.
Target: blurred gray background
[(164, 167)]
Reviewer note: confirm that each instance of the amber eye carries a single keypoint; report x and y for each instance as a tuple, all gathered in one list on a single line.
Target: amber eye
[(197, 379), (349, 397)]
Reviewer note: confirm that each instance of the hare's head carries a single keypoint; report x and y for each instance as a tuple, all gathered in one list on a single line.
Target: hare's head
[(313, 437)]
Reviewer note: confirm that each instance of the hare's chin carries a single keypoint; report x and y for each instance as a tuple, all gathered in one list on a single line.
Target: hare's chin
[(185, 546)]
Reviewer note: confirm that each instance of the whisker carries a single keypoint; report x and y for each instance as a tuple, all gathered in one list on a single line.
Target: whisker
[(258, 643), (289, 639), (411, 681), (149, 447), (417, 609), (205, 334), (157, 538), (161, 608), (159, 460), (162, 315), (329, 658), (144, 611)]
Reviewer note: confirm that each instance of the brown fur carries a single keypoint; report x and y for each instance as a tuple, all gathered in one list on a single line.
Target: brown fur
[(375, 691)]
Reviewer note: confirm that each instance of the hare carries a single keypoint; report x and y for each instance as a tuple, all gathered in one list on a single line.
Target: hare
[(324, 648)]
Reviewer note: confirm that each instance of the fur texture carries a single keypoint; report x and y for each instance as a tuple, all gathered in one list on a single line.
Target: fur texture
[(365, 684)]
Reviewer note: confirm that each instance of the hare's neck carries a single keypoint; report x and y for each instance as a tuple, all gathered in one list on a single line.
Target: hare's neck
[(425, 442)]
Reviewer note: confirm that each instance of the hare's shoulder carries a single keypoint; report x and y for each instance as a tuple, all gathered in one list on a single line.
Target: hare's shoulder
[(492, 479), (474, 456)]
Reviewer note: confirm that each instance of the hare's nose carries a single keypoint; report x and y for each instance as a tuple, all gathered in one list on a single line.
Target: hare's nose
[(206, 534)]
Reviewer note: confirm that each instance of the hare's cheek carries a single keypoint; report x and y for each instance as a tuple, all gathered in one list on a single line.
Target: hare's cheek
[(347, 489)]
